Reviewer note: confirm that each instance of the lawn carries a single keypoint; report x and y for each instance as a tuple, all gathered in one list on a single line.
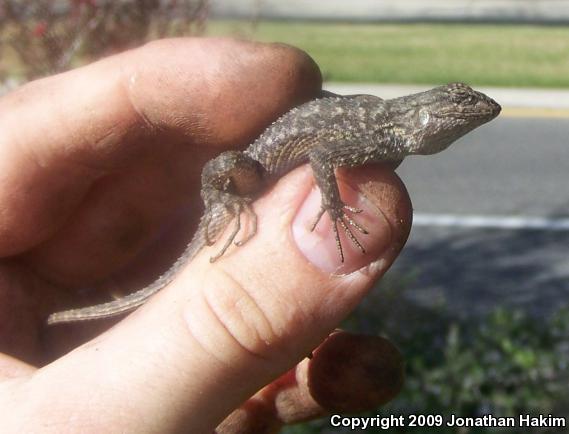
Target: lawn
[(496, 55)]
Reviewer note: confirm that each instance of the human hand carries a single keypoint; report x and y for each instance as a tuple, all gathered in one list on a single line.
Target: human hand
[(99, 186)]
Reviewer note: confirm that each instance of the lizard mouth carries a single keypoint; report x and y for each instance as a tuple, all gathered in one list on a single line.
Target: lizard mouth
[(489, 113), (485, 108)]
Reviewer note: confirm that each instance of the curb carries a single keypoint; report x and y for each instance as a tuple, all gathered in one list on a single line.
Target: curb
[(519, 11), (517, 101)]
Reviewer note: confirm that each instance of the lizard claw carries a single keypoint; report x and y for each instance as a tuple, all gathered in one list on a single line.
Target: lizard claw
[(236, 208), (247, 208), (338, 215)]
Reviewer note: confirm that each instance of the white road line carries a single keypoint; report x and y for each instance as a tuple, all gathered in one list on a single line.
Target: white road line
[(492, 222)]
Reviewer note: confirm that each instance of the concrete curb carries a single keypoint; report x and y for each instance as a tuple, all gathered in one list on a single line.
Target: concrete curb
[(543, 102), (529, 11), (554, 99)]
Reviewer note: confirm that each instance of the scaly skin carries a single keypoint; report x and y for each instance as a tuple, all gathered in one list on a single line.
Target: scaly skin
[(330, 132)]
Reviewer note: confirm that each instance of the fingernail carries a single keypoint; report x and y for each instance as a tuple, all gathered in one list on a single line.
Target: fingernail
[(319, 246)]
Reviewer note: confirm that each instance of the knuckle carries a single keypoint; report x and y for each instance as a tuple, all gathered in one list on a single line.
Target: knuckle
[(245, 323)]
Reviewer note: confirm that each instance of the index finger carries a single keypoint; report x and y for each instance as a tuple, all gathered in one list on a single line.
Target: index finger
[(59, 135)]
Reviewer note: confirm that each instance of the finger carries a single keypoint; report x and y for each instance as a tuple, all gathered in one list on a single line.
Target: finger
[(347, 373), (64, 136), (20, 296), (99, 167), (222, 331), (13, 368)]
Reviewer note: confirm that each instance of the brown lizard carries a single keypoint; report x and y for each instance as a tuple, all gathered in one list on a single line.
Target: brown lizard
[(329, 132)]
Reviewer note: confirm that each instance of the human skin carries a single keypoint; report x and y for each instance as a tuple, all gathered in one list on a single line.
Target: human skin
[(99, 189)]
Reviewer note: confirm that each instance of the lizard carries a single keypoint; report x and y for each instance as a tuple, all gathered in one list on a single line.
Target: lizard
[(329, 132)]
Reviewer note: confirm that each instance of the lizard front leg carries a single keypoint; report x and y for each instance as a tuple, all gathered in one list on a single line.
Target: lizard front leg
[(231, 180), (324, 160)]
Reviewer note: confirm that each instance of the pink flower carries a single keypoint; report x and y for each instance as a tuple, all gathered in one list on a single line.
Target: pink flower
[(40, 29)]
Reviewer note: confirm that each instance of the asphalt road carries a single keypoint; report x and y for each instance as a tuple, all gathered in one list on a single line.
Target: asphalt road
[(510, 167)]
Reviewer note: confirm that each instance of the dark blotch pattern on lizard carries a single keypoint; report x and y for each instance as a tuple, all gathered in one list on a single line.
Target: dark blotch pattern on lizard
[(330, 132)]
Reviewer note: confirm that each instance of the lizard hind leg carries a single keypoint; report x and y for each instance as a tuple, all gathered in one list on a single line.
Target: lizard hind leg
[(236, 208), (253, 230), (229, 183)]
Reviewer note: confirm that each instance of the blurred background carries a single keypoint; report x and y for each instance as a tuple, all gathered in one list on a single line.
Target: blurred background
[(477, 302)]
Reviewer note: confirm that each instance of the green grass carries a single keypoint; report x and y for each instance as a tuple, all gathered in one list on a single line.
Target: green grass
[(498, 55)]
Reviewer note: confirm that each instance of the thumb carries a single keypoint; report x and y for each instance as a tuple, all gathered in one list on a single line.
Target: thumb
[(222, 331)]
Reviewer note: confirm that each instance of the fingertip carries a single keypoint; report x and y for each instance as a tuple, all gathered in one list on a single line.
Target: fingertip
[(298, 289), (389, 196), (377, 233), (232, 97), (300, 72)]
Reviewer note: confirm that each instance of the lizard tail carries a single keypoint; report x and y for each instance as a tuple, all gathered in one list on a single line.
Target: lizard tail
[(127, 303), (111, 308), (136, 299), (211, 227)]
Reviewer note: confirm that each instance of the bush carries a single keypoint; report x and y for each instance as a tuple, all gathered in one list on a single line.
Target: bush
[(504, 364), (47, 36)]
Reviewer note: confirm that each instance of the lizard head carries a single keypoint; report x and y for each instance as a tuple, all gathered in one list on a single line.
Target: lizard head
[(441, 115)]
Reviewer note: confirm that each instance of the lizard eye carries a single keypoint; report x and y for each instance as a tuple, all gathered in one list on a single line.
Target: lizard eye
[(462, 94), (459, 97), (424, 116)]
